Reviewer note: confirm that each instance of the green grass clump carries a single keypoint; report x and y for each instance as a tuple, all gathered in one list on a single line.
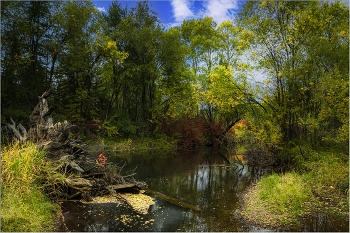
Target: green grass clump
[(23, 206), (20, 164), (285, 192), (329, 169), (26, 210)]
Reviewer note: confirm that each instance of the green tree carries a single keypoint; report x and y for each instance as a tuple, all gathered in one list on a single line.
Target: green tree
[(138, 33), (82, 48), (175, 81), (220, 86), (24, 32), (287, 38)]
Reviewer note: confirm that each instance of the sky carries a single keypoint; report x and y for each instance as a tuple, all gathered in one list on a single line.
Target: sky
[(172, 13)]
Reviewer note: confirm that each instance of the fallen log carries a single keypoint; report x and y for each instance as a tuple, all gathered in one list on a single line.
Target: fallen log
[(138, 202), (125, 186), (172, 200)]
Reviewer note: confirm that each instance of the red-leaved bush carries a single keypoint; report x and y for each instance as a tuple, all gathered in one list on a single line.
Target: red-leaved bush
[(192, 130)]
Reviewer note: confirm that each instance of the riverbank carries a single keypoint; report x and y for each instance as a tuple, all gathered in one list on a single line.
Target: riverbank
[(23, 205), (24, 173), (283, 201), (58, 223)]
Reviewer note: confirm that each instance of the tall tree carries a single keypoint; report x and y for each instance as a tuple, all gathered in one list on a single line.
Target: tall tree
[(81, 47), (138, 32), (24, 28)]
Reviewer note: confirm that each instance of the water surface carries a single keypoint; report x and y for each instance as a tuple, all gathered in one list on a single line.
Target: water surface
[(197, 177)]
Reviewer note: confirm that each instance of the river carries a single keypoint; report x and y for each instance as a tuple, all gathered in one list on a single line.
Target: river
[(196, 177)]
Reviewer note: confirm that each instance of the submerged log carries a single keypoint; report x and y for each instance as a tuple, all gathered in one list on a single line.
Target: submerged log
[(172, 200)]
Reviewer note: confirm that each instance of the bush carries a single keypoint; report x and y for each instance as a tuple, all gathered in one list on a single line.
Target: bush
[(192, 131)]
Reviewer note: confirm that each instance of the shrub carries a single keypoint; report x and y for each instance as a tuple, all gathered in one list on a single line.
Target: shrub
[(192, 130)]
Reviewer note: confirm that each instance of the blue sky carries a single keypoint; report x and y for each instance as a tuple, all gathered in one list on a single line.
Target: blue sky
[(172, 13)]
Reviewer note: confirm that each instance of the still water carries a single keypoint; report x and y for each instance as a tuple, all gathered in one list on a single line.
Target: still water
[(194, 177)]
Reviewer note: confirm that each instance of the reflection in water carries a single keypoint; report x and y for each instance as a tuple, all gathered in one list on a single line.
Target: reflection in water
[(193, 177)]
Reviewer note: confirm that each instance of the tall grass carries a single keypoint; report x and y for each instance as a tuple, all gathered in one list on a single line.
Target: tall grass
[(23, 206)]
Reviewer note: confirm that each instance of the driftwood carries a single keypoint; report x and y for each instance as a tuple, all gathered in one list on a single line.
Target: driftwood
[(18, 136), (83, 176), (82, 187)]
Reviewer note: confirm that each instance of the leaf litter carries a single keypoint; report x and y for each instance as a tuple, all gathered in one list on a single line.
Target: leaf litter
[(139, 202)]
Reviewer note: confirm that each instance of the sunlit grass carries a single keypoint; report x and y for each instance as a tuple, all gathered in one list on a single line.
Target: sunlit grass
[(20, 164), (23, 206), (28, 210), (285, 191), (325, 177)]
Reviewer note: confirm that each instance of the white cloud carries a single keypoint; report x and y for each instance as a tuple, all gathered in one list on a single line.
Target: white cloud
[(101, 9), (219, 10), (181, 10)]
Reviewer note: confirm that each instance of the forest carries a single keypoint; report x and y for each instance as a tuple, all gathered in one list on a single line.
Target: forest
[(122, 76)]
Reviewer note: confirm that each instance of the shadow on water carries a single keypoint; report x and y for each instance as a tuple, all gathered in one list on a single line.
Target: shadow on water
[(194, 177)]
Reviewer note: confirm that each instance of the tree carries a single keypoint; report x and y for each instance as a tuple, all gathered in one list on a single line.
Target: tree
[(138, 32), (79, 38), (175, 83), (288, 41), (219, 81), (23, 52)]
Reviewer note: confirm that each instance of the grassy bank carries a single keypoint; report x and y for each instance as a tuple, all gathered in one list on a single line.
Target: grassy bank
[(133, 144), (319, 185), (23, 206)]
